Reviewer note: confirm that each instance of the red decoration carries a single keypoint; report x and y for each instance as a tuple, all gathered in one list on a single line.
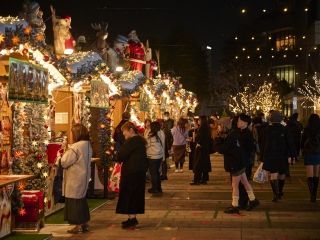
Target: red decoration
[(52, 152), (136, 55), (68, 46), (22, 212)]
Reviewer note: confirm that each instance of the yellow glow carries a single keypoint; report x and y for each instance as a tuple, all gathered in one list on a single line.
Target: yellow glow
[(243, 11)]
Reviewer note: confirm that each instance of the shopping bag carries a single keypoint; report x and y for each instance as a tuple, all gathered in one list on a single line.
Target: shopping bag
[(260, 176), (114, 181)]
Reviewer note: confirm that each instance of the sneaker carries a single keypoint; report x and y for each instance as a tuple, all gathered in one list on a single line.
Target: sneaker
[(253, 204), (232, 210), (177, 170), (131, 223)]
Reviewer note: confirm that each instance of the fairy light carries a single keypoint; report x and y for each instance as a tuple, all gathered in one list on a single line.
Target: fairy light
[(243, 11), (311, 92), (113, 89)]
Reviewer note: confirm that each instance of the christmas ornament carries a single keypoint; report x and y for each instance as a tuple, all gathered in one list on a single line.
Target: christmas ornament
[(1, 38), (27, 30), (22, 212), (15, 40)]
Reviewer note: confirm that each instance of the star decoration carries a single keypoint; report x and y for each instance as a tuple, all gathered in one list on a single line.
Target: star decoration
[(2, 38), (34, 143), (22, 212), (45, 174), (39, 165), (45, 200), (39, 37), (46, 142), (27, 30), (15, 40), (21, 186)]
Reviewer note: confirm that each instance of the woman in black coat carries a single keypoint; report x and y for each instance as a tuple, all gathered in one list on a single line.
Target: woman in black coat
[(202, 164), (133, 156), (277, 152), (311, 151), (192, 139), (234, 163)]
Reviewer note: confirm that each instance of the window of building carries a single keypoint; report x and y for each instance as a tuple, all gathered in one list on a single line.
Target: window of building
[(285, 42), (286, 73)]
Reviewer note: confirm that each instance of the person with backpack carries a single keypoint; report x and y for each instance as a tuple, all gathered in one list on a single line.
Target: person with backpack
[(311, 151), (234, 163), (155, 154), (278, 152)]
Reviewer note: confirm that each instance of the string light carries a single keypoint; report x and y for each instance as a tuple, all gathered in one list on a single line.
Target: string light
[(306, 9), (285, 9), (235, 38), (243, 49), (252, 38), (248, 57), (243, 11), (303, 37), (258, 49), (264, 10), (236, 57), (269, 37)]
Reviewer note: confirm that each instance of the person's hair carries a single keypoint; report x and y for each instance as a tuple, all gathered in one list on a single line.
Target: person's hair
[(313, 123), (129, 125), (166, 114), (126, 115), (234, 122), (182, 124), (245, 118), (204, 125), (294, 117), (154, 129), (147, 120), (80, 133)]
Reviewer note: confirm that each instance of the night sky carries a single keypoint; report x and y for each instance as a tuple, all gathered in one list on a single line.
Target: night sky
[(210, 22)]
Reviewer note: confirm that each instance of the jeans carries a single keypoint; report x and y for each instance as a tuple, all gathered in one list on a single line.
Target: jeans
[(154, 168)]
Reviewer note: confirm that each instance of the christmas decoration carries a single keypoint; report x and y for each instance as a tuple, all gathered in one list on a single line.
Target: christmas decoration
[(16, 199), (248, 101), (310, 91)]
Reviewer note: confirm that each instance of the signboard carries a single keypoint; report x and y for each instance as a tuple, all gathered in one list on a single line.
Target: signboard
[(61, 118), (99, 95), (27, 82)]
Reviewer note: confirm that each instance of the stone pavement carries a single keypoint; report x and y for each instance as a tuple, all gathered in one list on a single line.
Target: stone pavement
[(196, 212)]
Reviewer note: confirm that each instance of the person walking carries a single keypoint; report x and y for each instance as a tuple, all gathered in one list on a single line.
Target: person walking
[(76, 162), (202, 164), (278, 151), (155, 155), (311, 151), (133, 157), (180, 135), (247, 149), (235, 164), (295, 129), (147, 126)]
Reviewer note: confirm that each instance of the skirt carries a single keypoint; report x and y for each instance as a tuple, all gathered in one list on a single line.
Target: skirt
[(132, 194), (238, 173), (312, 159), (179, 153), (76, 211)]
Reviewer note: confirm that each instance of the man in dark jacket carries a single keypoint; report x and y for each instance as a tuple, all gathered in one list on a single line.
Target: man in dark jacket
[(247, 149), (295, 129), (118, 135), (168, 124)]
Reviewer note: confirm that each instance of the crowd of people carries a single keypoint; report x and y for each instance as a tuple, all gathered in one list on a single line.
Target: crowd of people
[(242, 140)]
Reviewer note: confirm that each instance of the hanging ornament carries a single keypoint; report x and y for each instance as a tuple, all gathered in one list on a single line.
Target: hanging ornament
[(21, 186), (34, 143), (40, 37), (22, 212), (15, 40), (45, 174), (39, 165), (2, 38), (27, 30)]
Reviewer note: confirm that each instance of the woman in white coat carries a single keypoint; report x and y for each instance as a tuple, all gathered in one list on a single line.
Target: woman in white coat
[(76, 174)]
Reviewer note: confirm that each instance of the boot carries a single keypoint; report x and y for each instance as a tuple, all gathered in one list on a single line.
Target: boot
[(310, 181), (281, 185), (315, 188), (275, 190)]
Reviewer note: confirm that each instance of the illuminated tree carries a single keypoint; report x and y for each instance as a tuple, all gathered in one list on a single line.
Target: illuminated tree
[(311, 92), (264, 100)]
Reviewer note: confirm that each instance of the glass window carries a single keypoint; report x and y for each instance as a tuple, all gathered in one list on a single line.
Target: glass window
[(285, 42), (286, 73)]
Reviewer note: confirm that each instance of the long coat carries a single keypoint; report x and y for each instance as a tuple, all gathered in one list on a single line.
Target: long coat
[(202, 161), (76, 163), (133, 156), (277, 147)]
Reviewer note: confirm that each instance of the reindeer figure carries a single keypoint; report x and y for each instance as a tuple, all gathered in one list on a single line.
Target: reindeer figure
[(100, 44)]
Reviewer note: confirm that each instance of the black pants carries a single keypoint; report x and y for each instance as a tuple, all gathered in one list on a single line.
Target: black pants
[(243, 196), (201, 176), (164, 168), (154, 168)]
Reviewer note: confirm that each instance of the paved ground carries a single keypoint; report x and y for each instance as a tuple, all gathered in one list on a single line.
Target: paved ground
[(196, 212)]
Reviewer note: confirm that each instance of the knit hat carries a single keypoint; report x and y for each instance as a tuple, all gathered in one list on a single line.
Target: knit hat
[(276, 117), (245, 118)]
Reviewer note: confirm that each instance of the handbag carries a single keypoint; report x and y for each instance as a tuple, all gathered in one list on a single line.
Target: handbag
[(57, 185), (114, 181), (260, 176)]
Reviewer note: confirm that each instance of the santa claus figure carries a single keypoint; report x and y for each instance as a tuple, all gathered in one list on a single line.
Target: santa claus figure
[(136, 51)]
